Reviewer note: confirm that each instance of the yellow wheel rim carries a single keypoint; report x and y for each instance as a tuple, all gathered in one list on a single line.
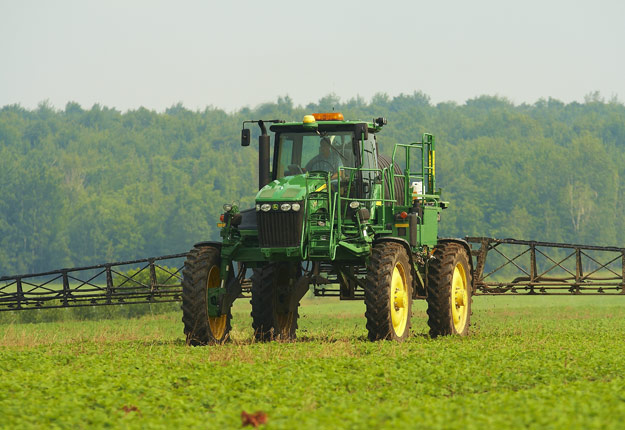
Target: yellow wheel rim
[(459, 298), (399, 300), (216, 324)]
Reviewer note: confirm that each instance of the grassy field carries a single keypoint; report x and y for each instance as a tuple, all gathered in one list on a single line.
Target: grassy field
[(529, 363)]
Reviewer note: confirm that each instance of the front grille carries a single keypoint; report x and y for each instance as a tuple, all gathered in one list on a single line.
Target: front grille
[(277, 229)]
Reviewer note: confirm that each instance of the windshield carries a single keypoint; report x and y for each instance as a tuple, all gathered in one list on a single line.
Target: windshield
[(308, 152)]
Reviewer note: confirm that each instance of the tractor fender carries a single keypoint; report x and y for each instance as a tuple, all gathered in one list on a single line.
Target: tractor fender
[(399, 240), (208, 243), (466, 246)]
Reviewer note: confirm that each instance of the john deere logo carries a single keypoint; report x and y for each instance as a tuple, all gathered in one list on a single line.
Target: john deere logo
[(274, 206)]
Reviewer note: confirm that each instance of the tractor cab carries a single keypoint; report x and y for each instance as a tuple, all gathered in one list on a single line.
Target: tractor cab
[(326, 143), (323, 185)]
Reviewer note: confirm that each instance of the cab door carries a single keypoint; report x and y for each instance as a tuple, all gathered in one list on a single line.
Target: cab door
[(367, 158)]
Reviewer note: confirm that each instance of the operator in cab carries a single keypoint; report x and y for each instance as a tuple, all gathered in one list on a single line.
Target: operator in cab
[(327, 160)]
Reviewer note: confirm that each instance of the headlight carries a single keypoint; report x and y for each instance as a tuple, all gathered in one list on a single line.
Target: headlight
[(321, 223), (295, 207), (227, 207), (265, 207), (257, 208), (285, 207), (354, 205)]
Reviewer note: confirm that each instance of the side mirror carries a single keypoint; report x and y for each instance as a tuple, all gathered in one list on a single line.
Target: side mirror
[(360, 129), (245, 137)]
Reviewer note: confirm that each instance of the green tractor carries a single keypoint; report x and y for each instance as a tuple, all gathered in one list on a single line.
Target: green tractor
[(335, 215)]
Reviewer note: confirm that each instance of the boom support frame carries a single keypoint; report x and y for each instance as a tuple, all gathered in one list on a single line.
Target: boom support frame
[(99, 285), (546, 268)]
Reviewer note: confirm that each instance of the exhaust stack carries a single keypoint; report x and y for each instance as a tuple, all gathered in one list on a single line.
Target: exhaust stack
[(263, 156), (264, 145)]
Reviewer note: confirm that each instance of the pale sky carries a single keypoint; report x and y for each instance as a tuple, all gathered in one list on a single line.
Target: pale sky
[(231, 54)]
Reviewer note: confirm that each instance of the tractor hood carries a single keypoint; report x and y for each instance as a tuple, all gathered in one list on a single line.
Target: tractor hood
[(290, 188)]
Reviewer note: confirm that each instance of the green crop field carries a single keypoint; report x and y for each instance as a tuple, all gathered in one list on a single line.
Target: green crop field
[(530, 362)]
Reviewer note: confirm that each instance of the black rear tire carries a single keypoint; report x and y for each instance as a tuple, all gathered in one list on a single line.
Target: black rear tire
[(200, 272), (388, 296), (449, 291), (271, 288)]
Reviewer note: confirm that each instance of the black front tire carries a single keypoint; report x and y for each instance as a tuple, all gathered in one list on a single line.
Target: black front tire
[(271, 288), (201, 272)]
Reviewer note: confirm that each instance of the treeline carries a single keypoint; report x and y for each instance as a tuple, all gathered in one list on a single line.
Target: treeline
[(83, 186)]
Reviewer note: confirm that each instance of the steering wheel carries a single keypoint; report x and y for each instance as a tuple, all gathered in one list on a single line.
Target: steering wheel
[(295, 168), (322, 162)]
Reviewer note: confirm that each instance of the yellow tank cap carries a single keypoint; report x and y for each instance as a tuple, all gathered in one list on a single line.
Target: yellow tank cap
[(308, 119)]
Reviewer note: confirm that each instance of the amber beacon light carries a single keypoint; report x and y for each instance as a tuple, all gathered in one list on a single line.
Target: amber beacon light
[(330, 116)]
